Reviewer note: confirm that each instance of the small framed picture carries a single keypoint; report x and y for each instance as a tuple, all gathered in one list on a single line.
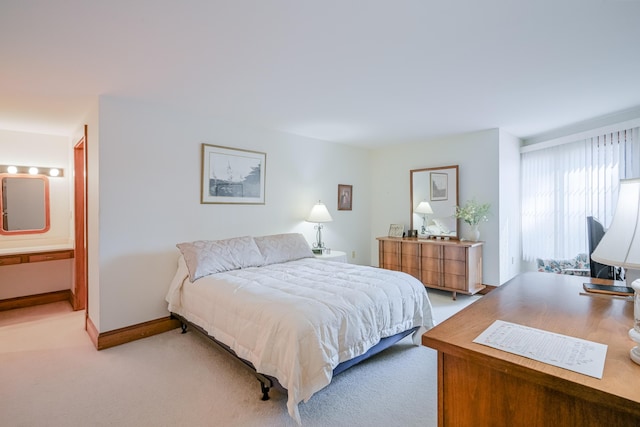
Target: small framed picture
[(345, 197), (439, 186), (396, 230)]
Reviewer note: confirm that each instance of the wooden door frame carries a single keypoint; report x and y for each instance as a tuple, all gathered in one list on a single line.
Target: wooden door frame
[(80, 289)]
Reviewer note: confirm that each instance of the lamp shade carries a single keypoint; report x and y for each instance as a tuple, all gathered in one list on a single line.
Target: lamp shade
[(620, 245), (423, 208), (319, 213)]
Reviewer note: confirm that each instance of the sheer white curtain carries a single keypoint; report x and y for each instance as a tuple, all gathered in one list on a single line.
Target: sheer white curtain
[(564, 184)]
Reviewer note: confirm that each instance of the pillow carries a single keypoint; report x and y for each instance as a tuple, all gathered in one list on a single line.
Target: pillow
[(204, 257), (283, 247), (442, 225)]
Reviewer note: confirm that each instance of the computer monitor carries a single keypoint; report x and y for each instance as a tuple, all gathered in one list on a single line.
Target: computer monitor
[(595, 231)]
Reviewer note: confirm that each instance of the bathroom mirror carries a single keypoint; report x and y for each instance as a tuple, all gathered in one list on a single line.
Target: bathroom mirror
[(439, 188), (24, 203)]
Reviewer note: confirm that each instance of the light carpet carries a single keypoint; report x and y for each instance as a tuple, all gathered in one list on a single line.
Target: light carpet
[(51, 375)]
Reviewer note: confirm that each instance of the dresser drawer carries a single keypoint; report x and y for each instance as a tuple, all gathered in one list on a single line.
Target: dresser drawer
[(458, 268), (430, 264), (50, 256), (455, 253), (430, 250), (410, 249), (390, 260)]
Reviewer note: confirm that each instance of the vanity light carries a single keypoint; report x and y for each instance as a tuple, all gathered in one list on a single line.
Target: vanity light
[(32, 170)]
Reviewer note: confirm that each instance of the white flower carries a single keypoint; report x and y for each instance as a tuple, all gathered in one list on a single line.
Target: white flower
[(473, 213)]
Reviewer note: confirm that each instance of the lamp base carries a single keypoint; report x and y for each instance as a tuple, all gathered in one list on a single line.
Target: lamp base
[(634, 354), (634, 333)]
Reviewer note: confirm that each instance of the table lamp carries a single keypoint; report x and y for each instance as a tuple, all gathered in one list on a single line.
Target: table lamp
[(319, 214), (423, 208), (620, 246)]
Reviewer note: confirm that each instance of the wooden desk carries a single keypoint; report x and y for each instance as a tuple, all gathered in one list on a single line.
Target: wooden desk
[(480, 385)]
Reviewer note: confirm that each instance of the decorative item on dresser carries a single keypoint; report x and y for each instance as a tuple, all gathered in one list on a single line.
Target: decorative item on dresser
[(448, 265), (473, 213), (396, 230)]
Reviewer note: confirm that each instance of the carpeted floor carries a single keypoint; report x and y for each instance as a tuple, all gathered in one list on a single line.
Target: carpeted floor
[(51, 375)]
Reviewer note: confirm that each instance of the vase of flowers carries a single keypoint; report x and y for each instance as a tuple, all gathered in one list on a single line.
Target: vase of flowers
[(473, 213)]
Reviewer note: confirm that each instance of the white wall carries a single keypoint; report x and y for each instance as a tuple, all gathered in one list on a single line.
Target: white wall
[(476, 154), (510, 218), (149, 200), (144, 196)]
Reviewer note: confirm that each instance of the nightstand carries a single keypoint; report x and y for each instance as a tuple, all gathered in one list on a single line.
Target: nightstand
[(336, 256)]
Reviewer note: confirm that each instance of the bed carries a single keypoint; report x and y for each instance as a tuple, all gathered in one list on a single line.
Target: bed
[(290, 316)]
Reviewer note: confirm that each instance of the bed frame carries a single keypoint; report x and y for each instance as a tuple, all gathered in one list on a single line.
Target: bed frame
[(267, 382)]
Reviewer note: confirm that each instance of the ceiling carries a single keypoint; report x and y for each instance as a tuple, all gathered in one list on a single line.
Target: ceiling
[(361, 72)]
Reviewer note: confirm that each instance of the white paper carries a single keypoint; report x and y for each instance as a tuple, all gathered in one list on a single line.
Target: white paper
[(574, 354)]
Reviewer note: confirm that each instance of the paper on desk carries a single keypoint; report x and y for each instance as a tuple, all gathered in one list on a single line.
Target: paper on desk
[(574, 354)]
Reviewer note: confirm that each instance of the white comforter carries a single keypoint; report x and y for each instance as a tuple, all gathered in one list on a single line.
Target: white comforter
[(298, 320)]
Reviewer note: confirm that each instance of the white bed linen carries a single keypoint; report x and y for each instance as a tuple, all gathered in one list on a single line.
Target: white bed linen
[(296, 321)]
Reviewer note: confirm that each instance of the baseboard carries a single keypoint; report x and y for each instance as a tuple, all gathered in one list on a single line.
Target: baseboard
[(131, 333), (31, 300), (487, 289)]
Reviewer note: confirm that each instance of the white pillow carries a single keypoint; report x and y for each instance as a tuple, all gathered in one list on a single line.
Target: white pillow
[(204, 257), (283, 247), (441, 224)]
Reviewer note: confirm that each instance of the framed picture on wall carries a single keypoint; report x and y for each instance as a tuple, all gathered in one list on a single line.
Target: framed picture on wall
[(231, 175), (345, 197), (439, 186)]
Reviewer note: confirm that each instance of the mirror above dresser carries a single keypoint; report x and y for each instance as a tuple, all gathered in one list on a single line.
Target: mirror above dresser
[(434, 197)]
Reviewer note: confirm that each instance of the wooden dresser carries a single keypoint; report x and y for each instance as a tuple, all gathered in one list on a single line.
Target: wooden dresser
[(449, 265)]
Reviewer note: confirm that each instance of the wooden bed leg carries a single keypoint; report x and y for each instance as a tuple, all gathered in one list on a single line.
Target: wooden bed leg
[(265, 391), (184, 328)]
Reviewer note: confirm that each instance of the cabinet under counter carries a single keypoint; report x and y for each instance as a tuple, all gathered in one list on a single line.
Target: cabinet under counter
[(35, 256)]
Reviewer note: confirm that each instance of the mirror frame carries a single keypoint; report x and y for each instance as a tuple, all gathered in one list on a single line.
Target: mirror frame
[(47, 215), (452, 194)]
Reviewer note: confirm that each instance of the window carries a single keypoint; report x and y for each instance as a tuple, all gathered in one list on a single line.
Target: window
[(563, 184)]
